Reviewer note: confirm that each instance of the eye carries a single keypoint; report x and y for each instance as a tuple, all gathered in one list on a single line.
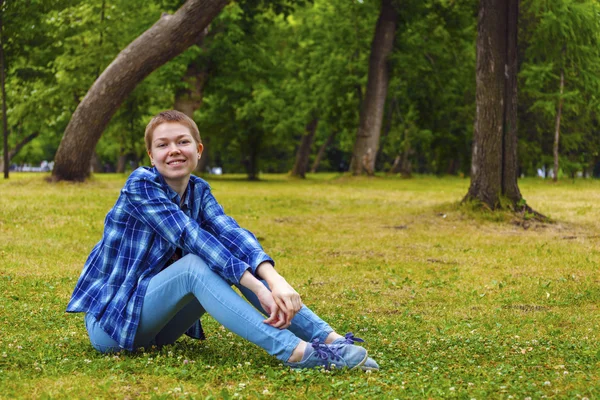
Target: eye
[(160, 145), (185, 141)]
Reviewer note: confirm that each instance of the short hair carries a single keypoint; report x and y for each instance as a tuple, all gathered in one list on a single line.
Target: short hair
[(170, 116)]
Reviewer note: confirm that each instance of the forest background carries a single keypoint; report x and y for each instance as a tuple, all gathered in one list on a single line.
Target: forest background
[(264, 77)]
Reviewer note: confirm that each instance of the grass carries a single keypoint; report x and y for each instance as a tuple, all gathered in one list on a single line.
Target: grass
[(452, 303)]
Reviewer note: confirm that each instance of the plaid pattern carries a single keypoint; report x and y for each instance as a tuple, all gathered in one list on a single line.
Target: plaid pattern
[(141, 233)]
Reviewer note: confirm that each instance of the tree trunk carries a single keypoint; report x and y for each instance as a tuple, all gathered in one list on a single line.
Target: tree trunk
[(12, 153), (395, 168), (121, 161), (494, 161), (189, 98), (167, 38), (557, 125), (3, 86), (251, 152), (95, 164), (303, 153), (371, 112), (406, 165), (321, 152)]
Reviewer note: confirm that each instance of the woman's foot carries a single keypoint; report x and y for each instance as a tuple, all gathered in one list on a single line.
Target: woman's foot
[(350, 339), (329, 356)]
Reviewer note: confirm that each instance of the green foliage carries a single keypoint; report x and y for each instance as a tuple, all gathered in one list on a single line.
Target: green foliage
[(275, 66), (432, 88), (560, 35), (450, 306)]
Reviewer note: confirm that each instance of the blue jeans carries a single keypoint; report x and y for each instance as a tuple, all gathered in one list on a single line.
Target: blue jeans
[(181, 293)]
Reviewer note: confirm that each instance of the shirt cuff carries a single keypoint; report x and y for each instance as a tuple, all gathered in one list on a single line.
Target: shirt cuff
[(258, 257)]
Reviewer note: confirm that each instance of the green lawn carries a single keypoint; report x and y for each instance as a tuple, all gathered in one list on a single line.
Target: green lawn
[(451, 304)]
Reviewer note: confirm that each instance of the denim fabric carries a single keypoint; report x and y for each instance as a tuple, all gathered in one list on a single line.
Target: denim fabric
[(141, 233), (183, 292)]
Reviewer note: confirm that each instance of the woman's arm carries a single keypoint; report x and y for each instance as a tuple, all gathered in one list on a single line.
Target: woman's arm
[(148, 203), (239, 241), (277, 318), (284, 295)]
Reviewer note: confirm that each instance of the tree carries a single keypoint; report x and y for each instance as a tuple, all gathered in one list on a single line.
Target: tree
[(371, 113), (559, 73), (167, 38), (494, 158)]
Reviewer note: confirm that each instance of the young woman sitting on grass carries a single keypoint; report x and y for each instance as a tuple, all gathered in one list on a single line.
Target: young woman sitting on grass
[(169, 254)]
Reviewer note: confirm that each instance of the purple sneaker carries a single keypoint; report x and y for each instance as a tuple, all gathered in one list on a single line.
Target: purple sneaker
[(331, 356), (350, 339)]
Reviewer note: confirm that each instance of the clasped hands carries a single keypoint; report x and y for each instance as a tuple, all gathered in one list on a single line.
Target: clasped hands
[(282, 303)]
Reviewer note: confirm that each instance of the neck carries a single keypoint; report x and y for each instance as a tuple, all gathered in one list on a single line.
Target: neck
[(178, 186)]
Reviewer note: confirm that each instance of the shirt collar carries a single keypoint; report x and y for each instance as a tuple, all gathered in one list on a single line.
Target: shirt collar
[(173, 196)]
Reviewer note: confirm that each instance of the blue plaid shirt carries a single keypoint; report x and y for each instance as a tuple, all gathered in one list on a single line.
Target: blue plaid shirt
[(141, 233)]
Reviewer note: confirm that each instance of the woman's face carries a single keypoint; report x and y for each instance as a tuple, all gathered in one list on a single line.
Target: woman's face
[(174, 152)]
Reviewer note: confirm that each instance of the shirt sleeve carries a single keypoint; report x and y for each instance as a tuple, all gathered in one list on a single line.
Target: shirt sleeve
[(241, 242), (149, 203)]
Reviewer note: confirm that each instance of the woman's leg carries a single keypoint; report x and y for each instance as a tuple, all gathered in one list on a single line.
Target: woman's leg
[(306, 324), (189, 279)]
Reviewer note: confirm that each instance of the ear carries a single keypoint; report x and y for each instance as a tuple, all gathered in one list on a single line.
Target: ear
[(151, 159), (200, 150)]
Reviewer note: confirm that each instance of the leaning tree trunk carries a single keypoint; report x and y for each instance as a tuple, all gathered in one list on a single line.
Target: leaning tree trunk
[(167, 38), (557, 124), (494, 161), (371, 112), (321, 152), (12, 153), (303, 153)]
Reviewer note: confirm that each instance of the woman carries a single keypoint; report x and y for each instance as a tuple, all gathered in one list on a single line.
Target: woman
[(169, 254)]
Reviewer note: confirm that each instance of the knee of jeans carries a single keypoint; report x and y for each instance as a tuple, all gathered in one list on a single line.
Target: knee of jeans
[(196, 267)]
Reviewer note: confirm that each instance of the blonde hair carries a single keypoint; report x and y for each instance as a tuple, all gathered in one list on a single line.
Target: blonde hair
[(170, 116)]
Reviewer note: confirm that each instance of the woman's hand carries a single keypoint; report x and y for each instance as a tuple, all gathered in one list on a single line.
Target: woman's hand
[(286, 298), (276, 317)]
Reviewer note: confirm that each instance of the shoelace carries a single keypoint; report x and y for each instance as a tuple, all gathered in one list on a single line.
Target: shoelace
[(350, 338), (324, 351)]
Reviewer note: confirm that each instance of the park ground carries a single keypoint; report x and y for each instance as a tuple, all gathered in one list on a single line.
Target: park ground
[(452, 303)]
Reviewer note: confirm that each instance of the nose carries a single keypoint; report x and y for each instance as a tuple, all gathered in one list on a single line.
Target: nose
[(173, 148)]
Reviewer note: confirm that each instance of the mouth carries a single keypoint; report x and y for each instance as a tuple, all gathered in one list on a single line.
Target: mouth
[(176, 162)]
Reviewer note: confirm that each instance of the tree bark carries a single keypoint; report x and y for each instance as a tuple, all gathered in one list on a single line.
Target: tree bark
[(321, 152), (303, 152), (557, 124), (252, 150), (167, 38), (3, 86), (189, 98), (12, 153), (371, 113), (494, 161)]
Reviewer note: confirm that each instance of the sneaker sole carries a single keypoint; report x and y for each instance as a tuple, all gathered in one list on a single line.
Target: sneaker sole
[(360, 364)]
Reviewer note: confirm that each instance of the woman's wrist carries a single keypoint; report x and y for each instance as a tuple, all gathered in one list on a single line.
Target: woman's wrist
[(267, 272), (249, 281)]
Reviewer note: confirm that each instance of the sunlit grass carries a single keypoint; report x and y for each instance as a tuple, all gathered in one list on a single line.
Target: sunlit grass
[(451, 303)]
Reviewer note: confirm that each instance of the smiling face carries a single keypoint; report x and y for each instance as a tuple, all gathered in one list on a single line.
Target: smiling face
[(174, 153)]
